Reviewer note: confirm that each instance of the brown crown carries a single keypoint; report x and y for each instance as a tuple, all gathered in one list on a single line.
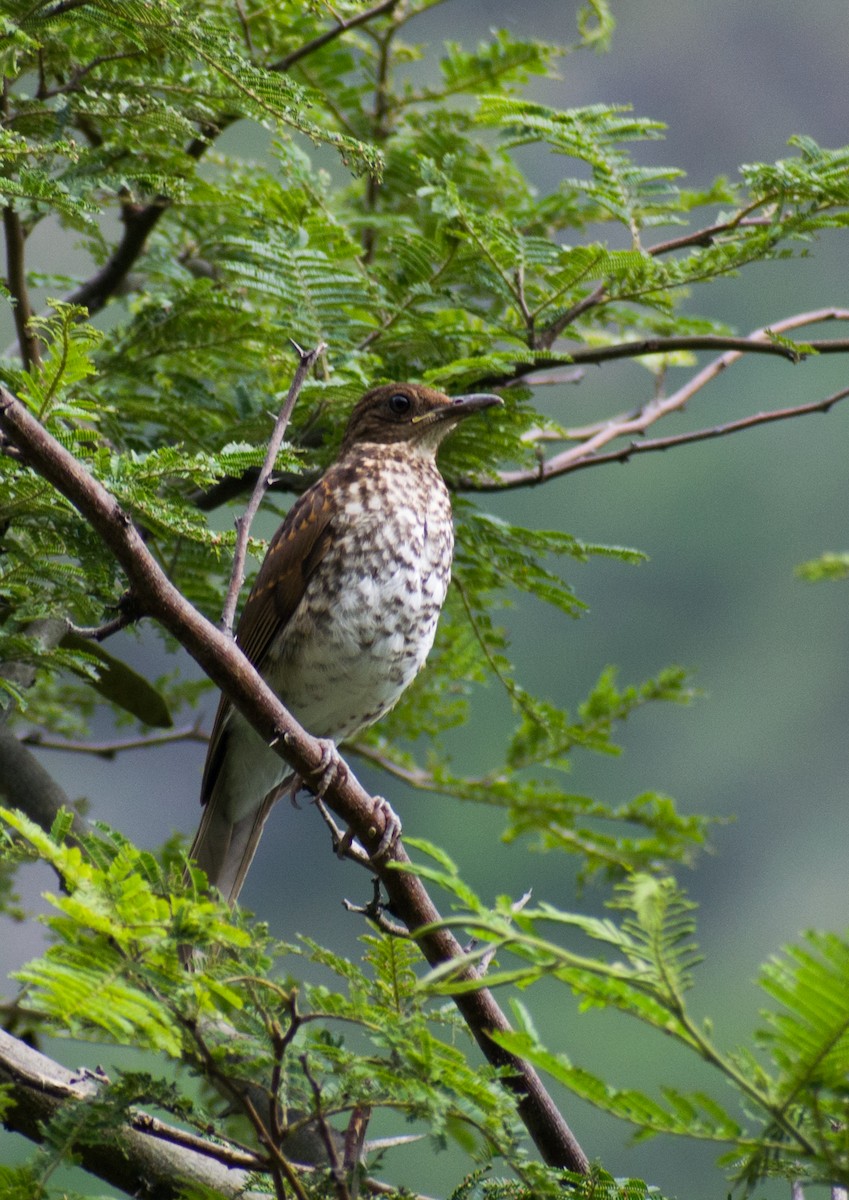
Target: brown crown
[(409, 412)]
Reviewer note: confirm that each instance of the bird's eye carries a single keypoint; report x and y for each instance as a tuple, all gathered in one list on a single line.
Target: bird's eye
[(399, 403)]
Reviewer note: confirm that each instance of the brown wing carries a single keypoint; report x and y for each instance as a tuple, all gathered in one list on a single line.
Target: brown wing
[(293, 554)]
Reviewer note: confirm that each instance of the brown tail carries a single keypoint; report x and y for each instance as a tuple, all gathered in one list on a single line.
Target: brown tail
[(224, 849)]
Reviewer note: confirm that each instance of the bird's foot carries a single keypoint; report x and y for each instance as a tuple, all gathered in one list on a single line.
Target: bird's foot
[(391, 828), (388, 819), (329, 770)]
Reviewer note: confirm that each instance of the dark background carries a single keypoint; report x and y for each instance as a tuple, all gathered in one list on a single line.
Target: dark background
[(724, 524)]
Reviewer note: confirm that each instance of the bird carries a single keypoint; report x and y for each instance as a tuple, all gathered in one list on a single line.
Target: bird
[(343, 611)]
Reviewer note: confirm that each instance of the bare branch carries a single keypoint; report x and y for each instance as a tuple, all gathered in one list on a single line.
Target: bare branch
[(307, 359), (226, 666), (703, 435), (16, 281), (110, 750), (635, 423), (330, 35), (151, 1158)]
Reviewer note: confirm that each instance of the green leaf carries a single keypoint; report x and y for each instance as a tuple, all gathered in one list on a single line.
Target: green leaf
[(120, 684)]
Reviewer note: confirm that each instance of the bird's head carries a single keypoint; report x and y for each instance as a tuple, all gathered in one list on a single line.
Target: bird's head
[(409, 413)]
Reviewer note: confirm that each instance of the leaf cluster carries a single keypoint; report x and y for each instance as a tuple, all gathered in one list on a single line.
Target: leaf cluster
[(238, 175), (788, 1118)]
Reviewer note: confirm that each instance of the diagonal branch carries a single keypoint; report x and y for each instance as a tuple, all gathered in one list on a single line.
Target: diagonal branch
[(586, 451), (138, 221), (716, 431), (330, 35), (151, 1158), (225, 664), (243, 524)]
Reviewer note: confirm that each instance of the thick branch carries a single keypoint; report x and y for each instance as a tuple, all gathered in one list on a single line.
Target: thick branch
[(25, 784), (224, 663), (148, 1157), (138, 223), (16, 281)]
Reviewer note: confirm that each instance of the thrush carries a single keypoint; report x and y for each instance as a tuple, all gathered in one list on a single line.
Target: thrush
[(344, 609)]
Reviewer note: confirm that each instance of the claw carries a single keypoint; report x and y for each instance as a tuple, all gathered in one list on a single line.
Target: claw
[(391, 828), (329, 769)]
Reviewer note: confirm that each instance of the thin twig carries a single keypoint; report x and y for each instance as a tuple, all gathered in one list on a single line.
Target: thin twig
[(329, 35), (707, 235), (128, 615), (109, 750), (703, 435), (586, 451), (336, 1169), (698, 237), (245, 24), (307, 358)]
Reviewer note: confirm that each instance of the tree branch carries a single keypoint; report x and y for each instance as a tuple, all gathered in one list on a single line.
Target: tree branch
[(225, 664), (25, 784), (586, 453), (110, 750), (243, 524), (16, 281), (330, 35), (756, 343), (704, 435), (148, 1157), (140, 220)]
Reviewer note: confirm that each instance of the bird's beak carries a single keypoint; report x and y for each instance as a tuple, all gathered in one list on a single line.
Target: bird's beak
[(456, 409), (474, 402)]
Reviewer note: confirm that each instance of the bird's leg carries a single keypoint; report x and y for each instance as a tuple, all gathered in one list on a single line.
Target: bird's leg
[(391, 831), (391, 827), (343, 843), (329, 769)]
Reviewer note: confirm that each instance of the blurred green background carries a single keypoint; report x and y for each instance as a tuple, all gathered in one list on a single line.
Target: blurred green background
[(724, 524)]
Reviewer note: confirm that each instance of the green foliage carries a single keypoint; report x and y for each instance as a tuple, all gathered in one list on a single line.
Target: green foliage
[(391, 220), (114, 974), (828, 566), (791, 1102)]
